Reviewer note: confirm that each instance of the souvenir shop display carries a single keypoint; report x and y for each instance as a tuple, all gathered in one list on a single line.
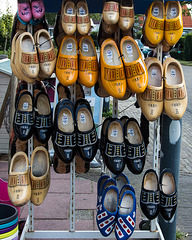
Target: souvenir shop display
[(158, 86)]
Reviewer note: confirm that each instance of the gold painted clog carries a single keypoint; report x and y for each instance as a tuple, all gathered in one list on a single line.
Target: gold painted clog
[(173, 22), (135, 68), (153, 28), (112, 69), (67, 61), (88, 64)]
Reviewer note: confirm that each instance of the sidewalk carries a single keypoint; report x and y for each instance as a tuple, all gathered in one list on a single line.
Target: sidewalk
[(54, 212)]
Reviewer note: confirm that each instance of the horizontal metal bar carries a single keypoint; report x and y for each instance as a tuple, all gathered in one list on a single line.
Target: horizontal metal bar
[(85, 235)]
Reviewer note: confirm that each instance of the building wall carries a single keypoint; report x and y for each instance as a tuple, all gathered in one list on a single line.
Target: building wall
[(4, 136)]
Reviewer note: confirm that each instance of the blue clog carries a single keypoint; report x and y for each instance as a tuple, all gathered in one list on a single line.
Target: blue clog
[(126, 216), (106, 215)]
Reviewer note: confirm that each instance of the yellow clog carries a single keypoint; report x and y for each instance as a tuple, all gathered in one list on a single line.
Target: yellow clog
[(67, 61), (153, 29), (88, 64), (151, 100), (173, 22), (175, 99), (135, 68), (112, 70)]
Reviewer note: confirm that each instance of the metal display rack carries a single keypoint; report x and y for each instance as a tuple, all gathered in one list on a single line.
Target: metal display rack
[(29, 231)]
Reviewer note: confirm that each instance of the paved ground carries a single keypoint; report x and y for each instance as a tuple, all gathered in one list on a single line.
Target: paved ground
[(54, 212)]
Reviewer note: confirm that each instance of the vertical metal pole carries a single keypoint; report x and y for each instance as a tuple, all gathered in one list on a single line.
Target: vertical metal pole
[(115, 108), (156, 141), (171, 131), (72, 172), (30, 150)]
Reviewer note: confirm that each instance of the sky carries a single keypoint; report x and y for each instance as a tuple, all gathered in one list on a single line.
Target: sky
[(11, 3)]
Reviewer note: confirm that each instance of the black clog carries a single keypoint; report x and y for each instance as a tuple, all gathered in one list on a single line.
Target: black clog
[(123, 119), (103, 132), (23, 122), (114, 152), (64, 136), (85, 129), (43, 117), (168, 194), (63, 92), (150, 194), (135, 147)]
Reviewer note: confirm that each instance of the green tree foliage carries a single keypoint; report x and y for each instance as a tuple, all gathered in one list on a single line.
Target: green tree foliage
[(188, 47), (96, 16), (137, 29), (50, 17), (6, 22)]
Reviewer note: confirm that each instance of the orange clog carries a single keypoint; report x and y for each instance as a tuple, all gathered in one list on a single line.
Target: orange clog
[(88, 64), (175, 99), (151, 100), (67, 61), (112, 70), (173, 22), (126, 15), (135, 68), (153, 28)]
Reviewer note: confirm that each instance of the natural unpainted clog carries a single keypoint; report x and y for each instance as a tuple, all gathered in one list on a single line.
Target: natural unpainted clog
[(151, 100), (27, 62), (19, 184), (111, 11), (83, 19), (40, 175), (68, 16), (175, 99), (46, 53), (126, 15)]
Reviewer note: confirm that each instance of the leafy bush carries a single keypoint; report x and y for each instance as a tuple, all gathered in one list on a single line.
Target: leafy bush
[(177, 55), (188, 47)]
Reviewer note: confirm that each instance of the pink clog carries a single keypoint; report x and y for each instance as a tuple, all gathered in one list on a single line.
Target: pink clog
[(24, 10), (37, 8)]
